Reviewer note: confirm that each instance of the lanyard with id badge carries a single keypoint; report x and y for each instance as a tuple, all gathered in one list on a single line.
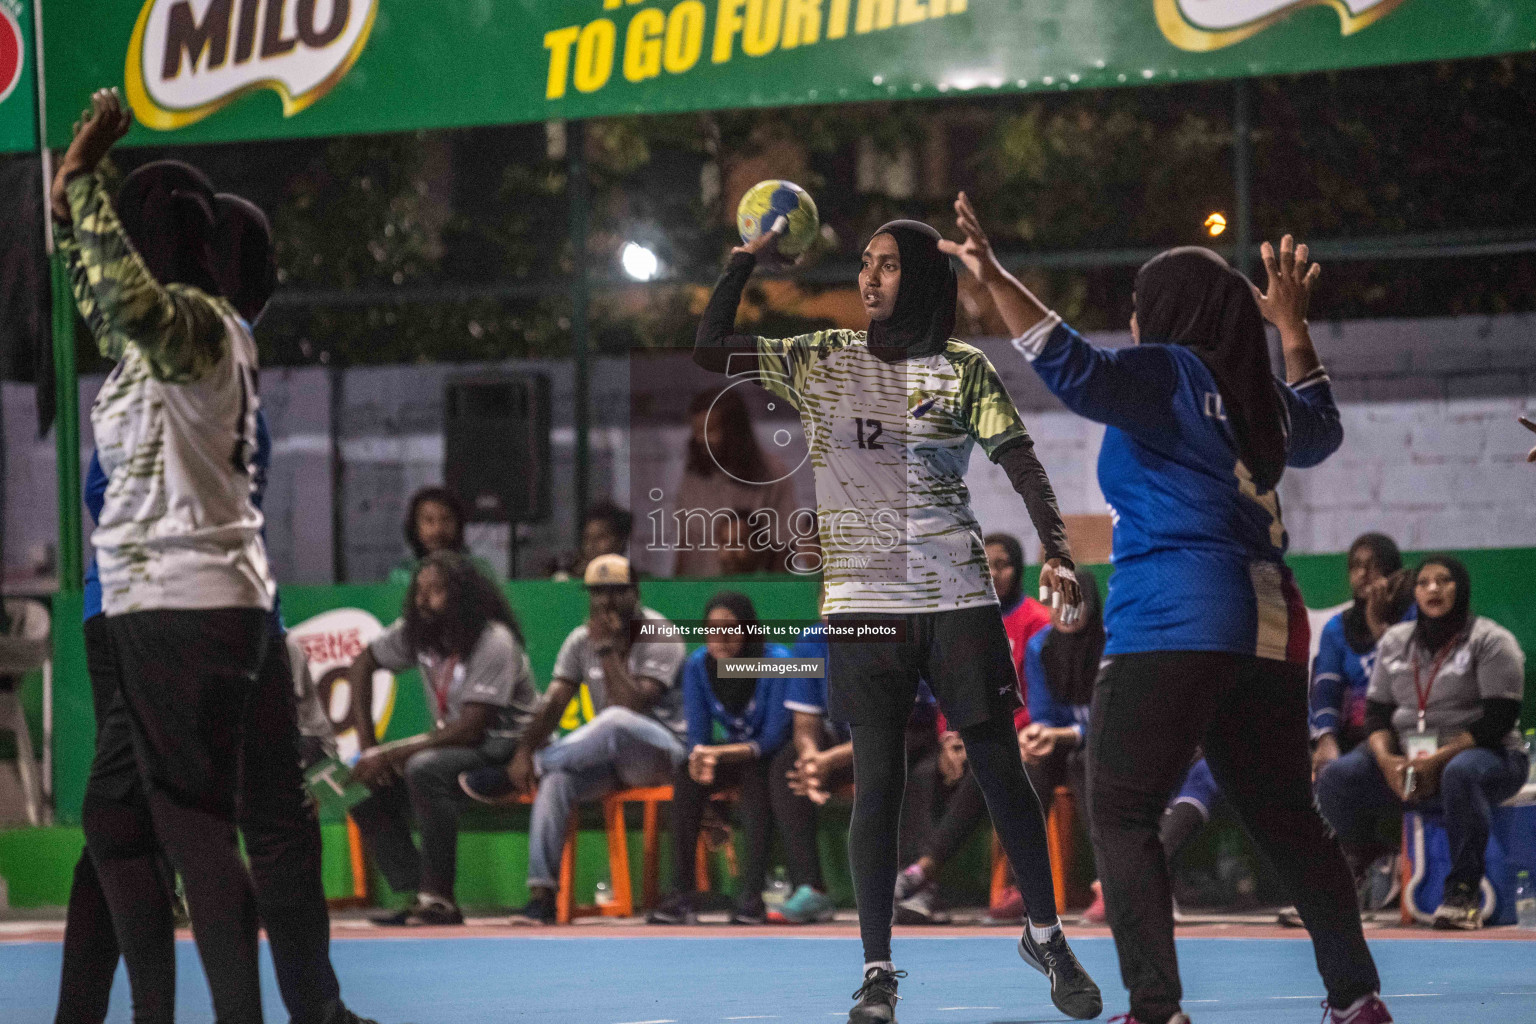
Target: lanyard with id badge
[(1421, 743)]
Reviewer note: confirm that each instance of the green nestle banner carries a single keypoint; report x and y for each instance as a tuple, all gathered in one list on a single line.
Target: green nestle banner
[(222, 70), (18, 89)]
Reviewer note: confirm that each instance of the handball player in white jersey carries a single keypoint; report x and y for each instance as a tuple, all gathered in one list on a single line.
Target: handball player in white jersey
[(891, 416)]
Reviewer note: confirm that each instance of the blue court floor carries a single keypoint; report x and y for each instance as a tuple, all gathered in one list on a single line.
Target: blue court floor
[(706, 980)]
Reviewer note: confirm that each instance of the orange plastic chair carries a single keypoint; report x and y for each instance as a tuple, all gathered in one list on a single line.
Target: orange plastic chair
[(623, 903), (1060, 840)]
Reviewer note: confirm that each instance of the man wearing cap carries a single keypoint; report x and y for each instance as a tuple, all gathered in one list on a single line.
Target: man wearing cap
[(635, 737)]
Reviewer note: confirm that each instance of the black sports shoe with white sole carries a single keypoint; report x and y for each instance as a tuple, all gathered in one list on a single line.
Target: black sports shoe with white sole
[(876, 997), (1073, 992)]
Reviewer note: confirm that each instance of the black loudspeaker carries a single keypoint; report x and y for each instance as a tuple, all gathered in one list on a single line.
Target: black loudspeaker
[(496, 446)]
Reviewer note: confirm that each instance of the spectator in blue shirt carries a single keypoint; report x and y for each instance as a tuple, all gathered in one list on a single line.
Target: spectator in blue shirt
[(1206, 630), (1346, 650), (752, 723)]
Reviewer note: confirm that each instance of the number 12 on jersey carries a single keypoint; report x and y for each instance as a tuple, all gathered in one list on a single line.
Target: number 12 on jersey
[(875, 427)]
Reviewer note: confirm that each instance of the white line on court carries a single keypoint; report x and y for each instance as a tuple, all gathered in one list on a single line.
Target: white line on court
[(761, 1016), (944, 1008), (647, 1022), (1415, 995)]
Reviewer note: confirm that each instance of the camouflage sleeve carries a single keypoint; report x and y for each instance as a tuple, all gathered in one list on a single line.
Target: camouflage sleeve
[(108, 342), (783, 363), (990, 416), (179, 329)]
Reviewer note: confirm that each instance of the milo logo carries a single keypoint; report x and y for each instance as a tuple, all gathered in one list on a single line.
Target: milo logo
[(12, 51), (190, 58), (1214, 24)]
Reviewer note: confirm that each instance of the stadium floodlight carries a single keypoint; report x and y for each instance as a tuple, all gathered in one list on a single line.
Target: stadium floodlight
[(1216, 223), (639, 262)]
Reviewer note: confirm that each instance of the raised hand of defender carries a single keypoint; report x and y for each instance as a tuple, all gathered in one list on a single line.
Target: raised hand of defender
[(975, 251), (1528, 425), (1059, 590), (96, 132), (1291, 277)]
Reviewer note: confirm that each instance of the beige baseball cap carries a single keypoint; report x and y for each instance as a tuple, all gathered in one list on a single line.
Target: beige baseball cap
[(608, 571)]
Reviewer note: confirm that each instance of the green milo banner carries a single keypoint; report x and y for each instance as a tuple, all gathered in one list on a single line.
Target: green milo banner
[(18, 90), (222, 70)]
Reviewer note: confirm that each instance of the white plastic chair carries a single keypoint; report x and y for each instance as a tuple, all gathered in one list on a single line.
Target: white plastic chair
[(24, 646)]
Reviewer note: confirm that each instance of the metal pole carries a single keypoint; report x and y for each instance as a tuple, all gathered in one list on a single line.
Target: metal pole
[(66, 385), (335, 379), (1242, 172), (578, 192)]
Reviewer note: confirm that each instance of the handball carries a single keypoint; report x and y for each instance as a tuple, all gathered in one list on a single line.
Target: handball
[(766, 202)]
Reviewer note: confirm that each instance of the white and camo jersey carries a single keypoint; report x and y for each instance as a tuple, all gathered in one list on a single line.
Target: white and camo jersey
[(889, 444), (175, 426)]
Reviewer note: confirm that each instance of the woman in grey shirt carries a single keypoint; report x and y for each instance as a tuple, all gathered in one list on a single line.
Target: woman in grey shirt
[(1441, 715)]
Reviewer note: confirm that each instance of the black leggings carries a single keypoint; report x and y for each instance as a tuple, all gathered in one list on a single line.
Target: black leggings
[(688, 800), (1150, 713), (879, 765), (282, 842)]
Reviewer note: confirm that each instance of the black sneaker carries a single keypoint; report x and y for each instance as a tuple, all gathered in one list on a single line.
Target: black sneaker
[(909, 883), (1073, 992), (539, 910), (750, 911), (342, 1015), (922, 907), (674, 910), (876, 997), (392, 918), (489, 785), (434, 911), (1460, 909)]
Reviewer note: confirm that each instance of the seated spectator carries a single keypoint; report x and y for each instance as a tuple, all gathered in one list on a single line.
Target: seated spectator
[(605, 530), (959, 794), (458, 629), (1341, 671), (435, 523), (635, 738), (1441, 733), (727, 469), (753, 724), (1023, 616), (1346, 649)]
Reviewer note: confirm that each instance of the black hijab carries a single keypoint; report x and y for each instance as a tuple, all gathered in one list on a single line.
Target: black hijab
[(1357, 632), (924, 317), (245, 265), (167, 211), (735, 693), (1433, 634), (1189, 296), (1071, 660), (1009, 543)]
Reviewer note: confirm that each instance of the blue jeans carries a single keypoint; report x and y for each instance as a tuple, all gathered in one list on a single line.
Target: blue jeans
[(1471, 785), (619, 749)]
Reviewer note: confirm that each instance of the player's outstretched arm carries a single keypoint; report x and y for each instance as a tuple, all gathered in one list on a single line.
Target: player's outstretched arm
[(1018, 306), (178, 329), (715, 343)]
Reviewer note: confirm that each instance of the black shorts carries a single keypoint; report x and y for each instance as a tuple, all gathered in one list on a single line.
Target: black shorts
[(963, 655), (187, 678)]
